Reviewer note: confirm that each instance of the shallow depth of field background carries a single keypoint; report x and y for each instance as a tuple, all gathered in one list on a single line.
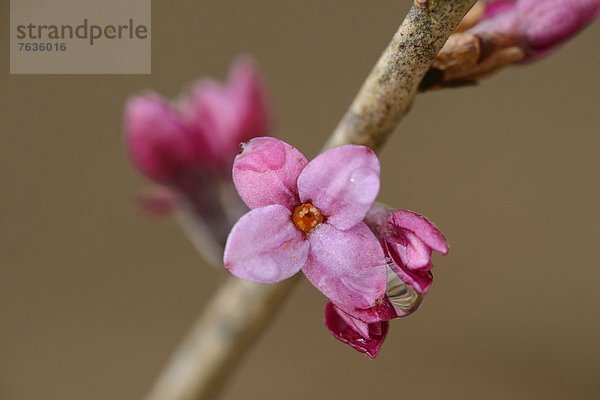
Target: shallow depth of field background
[(94, 295)]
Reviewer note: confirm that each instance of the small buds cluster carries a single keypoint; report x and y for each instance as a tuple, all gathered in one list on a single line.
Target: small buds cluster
[(201, 130), (187, 147), (505, 32), (407, 239)]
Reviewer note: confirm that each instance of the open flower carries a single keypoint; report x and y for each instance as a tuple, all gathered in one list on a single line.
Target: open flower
[(408, 240), (308, 216)]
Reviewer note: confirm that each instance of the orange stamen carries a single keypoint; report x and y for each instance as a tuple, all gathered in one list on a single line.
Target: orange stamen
[(307, 217)]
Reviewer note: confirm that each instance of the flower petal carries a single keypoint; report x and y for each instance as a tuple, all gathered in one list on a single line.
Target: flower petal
[(228, 113), (253, 106), (419, 280), (210, 109), (422, 227), (382, 311), (546, 24), (365, 338), (347, 266), (266, 173), (264, 246), (158, 141), (343, 183), (497, 7), (413, 252)]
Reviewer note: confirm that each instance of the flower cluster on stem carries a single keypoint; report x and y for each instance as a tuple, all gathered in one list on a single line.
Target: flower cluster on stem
[(319, 217), (187, 147)]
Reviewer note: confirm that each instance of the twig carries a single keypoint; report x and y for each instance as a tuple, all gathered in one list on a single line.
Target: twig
[(241, 310), (388, 93), (220, 337)]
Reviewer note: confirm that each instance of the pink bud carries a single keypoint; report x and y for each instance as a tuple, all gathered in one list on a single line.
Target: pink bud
[(165, 141), (364, 337), (537, 26), (548, 23), (230, 113), (158, 141), (408, 239), (495, 7)]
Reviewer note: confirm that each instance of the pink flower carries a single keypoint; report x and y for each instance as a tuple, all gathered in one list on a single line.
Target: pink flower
[(408, 240), (308, 216), (166, 141), (538, 26)]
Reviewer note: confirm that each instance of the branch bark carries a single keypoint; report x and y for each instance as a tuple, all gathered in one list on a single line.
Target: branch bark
[(390, 89), (240, 310)]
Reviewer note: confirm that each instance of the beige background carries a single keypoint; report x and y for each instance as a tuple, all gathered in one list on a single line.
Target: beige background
[(93, 295)]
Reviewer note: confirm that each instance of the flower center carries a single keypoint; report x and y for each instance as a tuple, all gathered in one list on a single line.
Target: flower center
[(307, 217)]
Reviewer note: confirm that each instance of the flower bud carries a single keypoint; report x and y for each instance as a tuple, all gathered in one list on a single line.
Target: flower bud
[(229, 114), (363, 337), (508, 32), (188, 147), (158, 141), (408, 239), (537, 26)]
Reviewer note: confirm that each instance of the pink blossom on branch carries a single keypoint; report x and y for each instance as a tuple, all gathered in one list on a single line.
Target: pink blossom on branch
[(308, 216), (373, 263)]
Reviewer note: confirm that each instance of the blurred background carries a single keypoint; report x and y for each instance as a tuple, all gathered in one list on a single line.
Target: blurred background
[(94, 295)]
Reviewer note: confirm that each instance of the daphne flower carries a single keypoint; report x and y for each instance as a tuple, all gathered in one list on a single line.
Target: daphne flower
[(408, 240), (308, 216)]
